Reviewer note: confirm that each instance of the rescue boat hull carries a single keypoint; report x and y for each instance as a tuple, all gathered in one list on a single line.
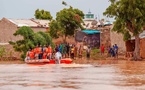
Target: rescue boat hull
[(47, 61)]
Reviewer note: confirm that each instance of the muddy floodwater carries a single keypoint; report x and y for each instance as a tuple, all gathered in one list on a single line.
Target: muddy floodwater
[(123, 75)]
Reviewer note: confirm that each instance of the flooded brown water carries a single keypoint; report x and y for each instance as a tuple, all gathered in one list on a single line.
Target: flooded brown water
[(124, 75)]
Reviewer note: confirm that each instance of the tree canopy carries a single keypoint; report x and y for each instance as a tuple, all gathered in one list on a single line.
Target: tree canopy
[(30, 40), (41, 14), (129, 19), (67, 21)]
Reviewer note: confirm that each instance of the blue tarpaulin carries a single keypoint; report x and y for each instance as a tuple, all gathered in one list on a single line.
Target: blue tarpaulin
[(91, 31)]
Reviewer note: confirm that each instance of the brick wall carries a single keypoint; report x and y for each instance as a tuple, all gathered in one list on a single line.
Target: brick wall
[(105, 37), (142, 48), (7, 29)]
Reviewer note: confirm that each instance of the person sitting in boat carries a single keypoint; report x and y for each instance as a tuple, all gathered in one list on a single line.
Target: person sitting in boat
[(44, 52), (40, 52), (49, 52), (30, 54), (36, 51), (58, 57)]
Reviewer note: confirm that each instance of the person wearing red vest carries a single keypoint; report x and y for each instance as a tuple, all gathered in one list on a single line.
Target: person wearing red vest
[(30, 54), (36, 51), (102, 49), (44, 52), (49, 52)]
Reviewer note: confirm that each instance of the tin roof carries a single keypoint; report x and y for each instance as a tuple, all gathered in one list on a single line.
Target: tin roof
[(30, 22)]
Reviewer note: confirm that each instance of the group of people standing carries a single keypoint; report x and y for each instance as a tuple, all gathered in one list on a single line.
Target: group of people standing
[(47, 52), (69, 50), (111, 51), (66, 50)]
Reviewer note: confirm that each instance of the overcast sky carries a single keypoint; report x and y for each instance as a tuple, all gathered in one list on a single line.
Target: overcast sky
[(25, 9)]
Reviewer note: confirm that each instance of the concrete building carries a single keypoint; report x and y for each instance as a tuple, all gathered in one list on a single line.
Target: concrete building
[(89, 21), (9, 26)]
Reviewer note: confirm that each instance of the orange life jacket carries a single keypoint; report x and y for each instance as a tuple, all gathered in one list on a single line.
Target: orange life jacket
[(49, 50), (44, 55), (46, 50), (37, 50), (31, 54)]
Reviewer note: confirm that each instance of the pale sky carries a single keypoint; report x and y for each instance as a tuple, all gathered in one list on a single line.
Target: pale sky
[(25, 9)]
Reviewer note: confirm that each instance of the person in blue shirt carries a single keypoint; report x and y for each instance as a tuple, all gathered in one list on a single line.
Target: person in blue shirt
[(116, 50), (111, 51)]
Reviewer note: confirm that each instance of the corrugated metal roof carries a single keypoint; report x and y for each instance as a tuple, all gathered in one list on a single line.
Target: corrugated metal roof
[(30, 22), (23, 22), (42, 22)]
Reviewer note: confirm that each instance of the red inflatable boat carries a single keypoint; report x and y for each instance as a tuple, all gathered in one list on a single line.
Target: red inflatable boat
[(47, 61)]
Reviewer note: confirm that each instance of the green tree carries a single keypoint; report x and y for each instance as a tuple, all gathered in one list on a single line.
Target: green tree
[(30, 40), (55, 29), (41, 14), (129, 16), (67, 21)]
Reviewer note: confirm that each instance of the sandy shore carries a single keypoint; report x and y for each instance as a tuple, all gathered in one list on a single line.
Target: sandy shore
[(79, 61)]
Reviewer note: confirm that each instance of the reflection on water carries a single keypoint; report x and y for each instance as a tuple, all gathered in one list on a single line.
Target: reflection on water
[(120, 76), (133, 74)]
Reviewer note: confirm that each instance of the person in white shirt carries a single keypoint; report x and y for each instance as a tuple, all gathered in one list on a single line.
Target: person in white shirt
[(58, 57)]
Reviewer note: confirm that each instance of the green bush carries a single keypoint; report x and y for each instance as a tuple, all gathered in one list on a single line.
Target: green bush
[(2, 51)]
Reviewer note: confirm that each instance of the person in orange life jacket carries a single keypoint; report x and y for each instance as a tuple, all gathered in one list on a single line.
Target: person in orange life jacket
[(36, 51), (49, 52), (44, 55), (44, 52), (30, 54)]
